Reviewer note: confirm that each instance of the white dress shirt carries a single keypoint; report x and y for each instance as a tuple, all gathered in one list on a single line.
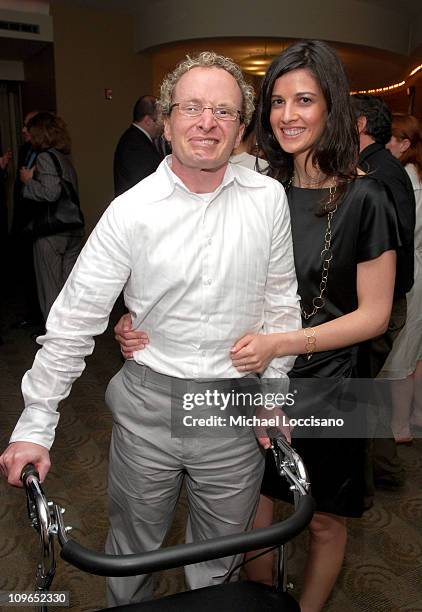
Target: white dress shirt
[(197, 273)]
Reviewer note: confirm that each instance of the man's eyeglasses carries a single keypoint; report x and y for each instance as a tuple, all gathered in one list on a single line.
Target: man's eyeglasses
[(223, 113)]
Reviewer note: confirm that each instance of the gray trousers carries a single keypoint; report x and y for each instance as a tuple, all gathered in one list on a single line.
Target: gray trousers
[(147, 468), (54, 258)]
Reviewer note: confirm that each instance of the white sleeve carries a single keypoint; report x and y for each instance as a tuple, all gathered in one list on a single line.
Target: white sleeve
[(281, 307), (80, 312)]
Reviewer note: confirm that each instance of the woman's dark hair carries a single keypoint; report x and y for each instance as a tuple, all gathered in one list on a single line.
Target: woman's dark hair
[(336, 152), (48, 131)]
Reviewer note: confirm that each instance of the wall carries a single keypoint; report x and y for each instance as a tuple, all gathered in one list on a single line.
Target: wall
[(416, 38), (417, 102), (11, 71), (400, 102), (38, 88), (94, 50), (27, 6), (417, 99)]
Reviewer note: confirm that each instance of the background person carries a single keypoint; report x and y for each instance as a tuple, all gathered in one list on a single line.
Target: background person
[(54, 255), (4, 162), (26, 159), (404, 363), (383, 466), (136, 155), (22, 241), (245, 153), (374, 125)]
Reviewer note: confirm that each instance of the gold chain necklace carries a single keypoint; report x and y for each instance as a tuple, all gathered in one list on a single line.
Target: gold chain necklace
[(318, 301)]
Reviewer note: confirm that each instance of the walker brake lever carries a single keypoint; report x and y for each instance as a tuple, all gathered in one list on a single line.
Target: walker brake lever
[(289, 463), (42, 519)]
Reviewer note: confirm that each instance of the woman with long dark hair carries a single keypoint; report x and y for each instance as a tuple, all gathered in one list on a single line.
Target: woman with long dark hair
[(404, 363), (344, 239), (54, 255)]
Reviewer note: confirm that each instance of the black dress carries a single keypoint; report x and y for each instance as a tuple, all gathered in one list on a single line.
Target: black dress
[(363, 227)]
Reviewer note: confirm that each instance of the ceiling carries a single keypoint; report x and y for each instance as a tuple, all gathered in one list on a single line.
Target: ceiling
[(367, 67), (409, 7)]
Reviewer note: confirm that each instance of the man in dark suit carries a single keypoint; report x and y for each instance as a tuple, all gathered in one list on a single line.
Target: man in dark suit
[(374, 125), (136, 155), (26, 159), (4, 162)]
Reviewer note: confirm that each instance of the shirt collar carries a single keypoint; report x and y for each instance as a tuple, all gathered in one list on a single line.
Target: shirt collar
[(168, 180)]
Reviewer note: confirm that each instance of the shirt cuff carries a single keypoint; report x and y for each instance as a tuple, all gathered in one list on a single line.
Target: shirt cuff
[(37, 426)]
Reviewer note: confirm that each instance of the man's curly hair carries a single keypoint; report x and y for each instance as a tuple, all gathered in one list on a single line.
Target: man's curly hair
[(377, 114), (207, 59)]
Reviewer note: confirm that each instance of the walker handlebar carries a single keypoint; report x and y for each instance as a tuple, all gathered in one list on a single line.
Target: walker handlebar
[(185, 554), (47, 518)]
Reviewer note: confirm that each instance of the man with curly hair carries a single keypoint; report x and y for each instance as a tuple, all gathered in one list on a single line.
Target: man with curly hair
[(203, 252)]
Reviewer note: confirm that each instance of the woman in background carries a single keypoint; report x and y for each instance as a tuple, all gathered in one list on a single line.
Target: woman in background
[(246, 154), (54, 256), (404, 363)]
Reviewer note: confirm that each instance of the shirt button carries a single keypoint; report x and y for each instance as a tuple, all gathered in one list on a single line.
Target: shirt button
[(203, 353), (208, 281), (209, 241)]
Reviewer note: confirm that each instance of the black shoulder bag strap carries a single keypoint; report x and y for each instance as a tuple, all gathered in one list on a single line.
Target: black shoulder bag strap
[(73, 194)]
